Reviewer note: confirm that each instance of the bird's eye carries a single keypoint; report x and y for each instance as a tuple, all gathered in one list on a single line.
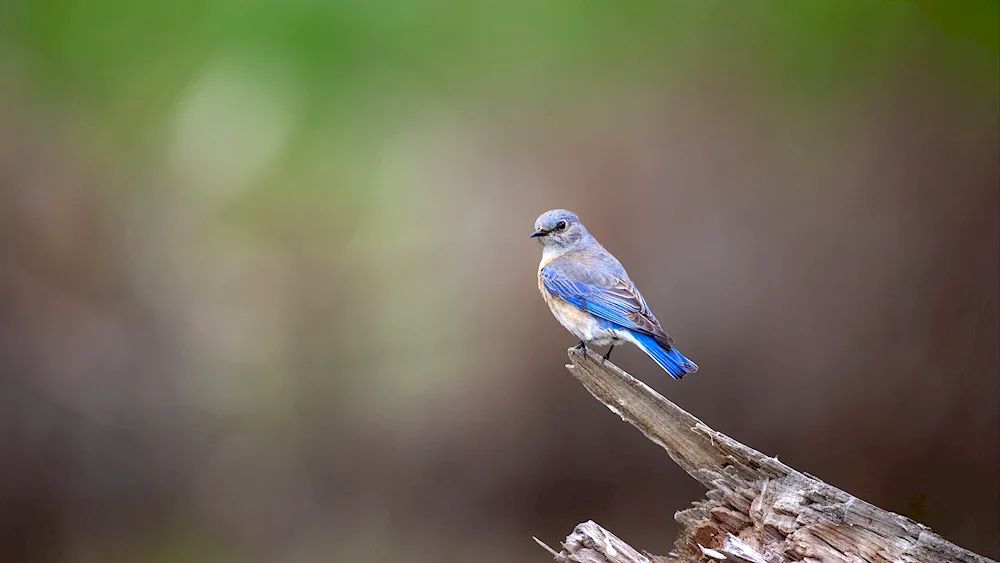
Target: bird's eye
[(560, 225)]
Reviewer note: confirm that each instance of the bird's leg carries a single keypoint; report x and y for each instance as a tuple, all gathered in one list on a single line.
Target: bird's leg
[(606, 356), (582, 346)]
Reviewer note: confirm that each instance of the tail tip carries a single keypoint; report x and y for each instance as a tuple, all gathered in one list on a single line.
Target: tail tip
[(682, 369)]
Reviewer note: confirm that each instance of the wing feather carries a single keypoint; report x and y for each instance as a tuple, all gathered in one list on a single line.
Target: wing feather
[(609, 297)]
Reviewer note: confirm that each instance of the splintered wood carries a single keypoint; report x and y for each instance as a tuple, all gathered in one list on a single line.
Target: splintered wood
[(757, 509)]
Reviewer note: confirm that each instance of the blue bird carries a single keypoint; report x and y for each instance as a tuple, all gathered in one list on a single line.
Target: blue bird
[(591, 295)]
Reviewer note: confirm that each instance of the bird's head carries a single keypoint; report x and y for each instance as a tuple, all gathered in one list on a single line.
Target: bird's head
[(559, 229)]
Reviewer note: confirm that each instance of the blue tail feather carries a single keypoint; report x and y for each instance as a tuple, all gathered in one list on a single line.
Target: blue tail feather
[(672, 361)]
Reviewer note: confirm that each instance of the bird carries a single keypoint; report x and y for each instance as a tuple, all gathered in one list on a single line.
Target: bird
[(592, 296)]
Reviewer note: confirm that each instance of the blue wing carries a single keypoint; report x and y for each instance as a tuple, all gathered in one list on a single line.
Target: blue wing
[(609, 297)]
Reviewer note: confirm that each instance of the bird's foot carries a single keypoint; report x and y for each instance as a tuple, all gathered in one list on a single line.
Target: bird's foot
[(581, 347), (607, 356)]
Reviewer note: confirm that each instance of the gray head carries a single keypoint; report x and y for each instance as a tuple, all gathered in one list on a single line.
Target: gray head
[(559, 229)]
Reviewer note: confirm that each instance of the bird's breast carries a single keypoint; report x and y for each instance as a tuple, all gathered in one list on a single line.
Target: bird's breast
[(581, 324), (548, 255)]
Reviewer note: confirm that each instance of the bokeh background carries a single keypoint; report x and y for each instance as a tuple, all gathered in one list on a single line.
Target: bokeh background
[(267, 292)]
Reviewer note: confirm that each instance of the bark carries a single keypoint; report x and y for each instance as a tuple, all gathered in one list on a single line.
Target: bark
[(757, 509)]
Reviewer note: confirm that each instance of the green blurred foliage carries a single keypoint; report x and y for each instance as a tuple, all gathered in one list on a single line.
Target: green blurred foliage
[(353, 66), (103, 50)]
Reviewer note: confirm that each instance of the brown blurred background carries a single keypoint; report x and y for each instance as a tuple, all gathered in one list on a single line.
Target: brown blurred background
[(267, 292)]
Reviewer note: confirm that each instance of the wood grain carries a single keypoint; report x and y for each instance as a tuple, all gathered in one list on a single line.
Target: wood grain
[(757, 509)]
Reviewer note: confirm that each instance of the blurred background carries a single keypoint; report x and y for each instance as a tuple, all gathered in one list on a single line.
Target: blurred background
[(267, 292)]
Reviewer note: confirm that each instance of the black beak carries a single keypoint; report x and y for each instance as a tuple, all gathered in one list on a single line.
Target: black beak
[(539, 233)]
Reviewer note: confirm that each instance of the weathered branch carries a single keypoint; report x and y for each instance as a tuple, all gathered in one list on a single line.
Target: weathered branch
[(590, 543), (757, 509)]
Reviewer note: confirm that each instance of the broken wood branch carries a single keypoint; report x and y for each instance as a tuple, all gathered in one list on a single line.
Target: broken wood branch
[(757, 509)]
